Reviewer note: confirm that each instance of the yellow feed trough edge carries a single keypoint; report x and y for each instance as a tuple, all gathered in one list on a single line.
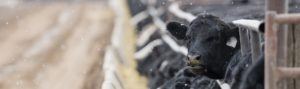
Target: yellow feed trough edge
[(119, 65)]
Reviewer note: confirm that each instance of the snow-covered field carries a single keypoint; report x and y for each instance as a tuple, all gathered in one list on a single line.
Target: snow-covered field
[(53, 45)]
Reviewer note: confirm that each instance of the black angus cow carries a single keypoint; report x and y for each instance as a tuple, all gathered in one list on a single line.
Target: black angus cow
[(185, 79), (208, 40), (161, 65), (164, 69), (254, 76), (213, 48)]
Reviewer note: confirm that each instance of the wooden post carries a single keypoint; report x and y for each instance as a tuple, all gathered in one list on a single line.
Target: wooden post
[(291, 53), (296, 54), (280, 6), (270, 52)]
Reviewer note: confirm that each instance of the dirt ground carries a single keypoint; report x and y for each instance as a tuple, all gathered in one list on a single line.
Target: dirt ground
[(53, 45)]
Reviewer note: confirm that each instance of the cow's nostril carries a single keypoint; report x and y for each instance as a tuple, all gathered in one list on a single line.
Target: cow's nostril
[(193, 57), (198, 57)]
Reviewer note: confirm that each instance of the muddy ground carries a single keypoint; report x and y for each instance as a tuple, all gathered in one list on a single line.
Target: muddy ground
[(58, 45)]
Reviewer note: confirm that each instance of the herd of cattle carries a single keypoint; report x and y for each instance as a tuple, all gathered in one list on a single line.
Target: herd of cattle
[(204, 54)]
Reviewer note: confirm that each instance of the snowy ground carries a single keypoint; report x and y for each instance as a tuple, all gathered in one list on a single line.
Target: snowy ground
[(53, 45)]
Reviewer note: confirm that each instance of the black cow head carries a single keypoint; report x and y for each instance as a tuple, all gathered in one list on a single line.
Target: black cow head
[(210, 42)]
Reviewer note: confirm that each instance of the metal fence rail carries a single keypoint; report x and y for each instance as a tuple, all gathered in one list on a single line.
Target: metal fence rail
[(250, 37)]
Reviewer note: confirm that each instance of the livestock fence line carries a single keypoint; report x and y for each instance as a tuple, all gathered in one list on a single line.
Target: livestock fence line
[(159, 24), (119, 64)]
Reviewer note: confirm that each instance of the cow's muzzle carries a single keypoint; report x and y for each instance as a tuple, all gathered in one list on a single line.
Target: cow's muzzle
[(195, 64)]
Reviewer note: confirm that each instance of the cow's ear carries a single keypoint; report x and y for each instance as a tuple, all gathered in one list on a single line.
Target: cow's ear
[(231, 30), (178, 30)]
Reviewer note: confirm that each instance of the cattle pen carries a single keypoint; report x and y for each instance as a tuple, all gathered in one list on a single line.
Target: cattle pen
[(149, 44), (281, 43)]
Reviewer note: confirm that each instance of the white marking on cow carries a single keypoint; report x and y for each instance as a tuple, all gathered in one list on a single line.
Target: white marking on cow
[(174, 8), (232, 42), (145, 35), (163, 65), (251, 24), (223, 85), (147, 49)]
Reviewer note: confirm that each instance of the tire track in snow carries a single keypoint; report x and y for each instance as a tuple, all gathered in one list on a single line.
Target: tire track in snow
[(25, 33)]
